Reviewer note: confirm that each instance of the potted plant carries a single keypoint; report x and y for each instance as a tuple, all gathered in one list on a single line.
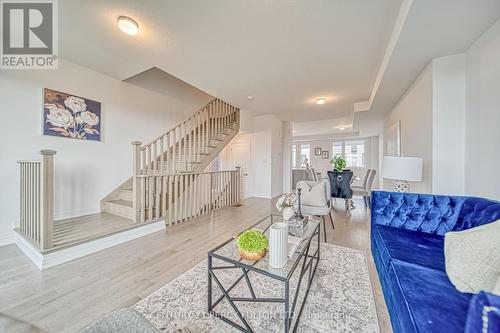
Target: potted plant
[(287, 203), (338, 163), (252, 244)]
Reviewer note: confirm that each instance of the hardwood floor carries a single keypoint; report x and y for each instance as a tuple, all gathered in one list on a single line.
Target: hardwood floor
[(80, 228), (68, 297)]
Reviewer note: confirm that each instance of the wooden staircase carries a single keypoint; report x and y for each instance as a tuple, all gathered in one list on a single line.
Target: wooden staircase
[(170, 182), (175, 158)]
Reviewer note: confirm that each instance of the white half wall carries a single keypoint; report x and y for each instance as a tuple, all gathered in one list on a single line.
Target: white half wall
[(414, 110), (448, 123), (85, 171), (482, 129)]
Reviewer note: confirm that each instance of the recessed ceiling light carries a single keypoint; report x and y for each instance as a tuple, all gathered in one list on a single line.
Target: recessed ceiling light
[(250, 97), (341, 128), (320, 100), (128, 26)]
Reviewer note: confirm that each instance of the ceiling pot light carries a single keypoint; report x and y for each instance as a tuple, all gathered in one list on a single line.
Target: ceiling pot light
[(320, 100), (128, 26), (341, 128), (250, 97)]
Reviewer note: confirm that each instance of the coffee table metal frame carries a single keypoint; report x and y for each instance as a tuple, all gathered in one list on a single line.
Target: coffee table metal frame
[(309, 264)]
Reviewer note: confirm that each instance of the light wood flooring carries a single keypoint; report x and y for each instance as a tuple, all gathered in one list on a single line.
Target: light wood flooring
[(77, 229), (70, 296)]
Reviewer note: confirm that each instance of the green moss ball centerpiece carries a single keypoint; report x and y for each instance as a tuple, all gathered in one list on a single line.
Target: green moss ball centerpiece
[(252, 244)]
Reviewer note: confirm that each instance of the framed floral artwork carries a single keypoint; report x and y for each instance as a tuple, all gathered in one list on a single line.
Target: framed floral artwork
[(71, 116)]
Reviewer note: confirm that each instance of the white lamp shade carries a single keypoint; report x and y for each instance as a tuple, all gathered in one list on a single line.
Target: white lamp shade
[(402, 168)]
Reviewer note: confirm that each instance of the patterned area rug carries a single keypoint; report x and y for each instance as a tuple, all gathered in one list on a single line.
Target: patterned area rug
[(340, 299)]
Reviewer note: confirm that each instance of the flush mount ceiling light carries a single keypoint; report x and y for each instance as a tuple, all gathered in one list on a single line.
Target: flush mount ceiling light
[(250, 97), (128, 26), (320, 101)]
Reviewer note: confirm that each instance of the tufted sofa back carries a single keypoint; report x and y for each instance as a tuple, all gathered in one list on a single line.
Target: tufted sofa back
[(433, 214), (476, 212)]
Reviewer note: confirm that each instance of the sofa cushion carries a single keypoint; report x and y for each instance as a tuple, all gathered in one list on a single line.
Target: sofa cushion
[(410, 246), (473, 257), (313, 193), (426, 299)]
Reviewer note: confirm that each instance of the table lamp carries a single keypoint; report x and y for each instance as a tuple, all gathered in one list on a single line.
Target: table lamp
[(402, 169)]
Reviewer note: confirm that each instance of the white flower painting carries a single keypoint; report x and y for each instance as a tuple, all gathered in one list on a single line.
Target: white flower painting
[(71, 116)]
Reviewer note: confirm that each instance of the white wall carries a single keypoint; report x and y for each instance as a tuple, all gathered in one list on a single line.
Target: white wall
[(414, 110), (85, 171), (287, 157), (268, 132), (448, 123), (458, 98), (482, 129), (265, 135)]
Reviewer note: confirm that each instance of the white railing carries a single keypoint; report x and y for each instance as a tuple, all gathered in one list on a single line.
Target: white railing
[(173, 157), (178, 197), (37, 200), (182, 146)]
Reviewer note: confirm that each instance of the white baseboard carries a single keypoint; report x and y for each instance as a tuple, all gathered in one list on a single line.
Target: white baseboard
[(8, 239), (51, 259)]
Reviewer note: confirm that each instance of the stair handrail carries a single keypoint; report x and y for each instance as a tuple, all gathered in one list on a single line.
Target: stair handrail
[(210, 119), (182, 147), (144, 145)]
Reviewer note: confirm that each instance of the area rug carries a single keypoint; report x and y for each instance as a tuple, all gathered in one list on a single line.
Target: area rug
[(340, 299)]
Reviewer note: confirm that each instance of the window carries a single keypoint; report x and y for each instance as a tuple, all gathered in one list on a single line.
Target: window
[(352, 150), (305, 155), (338, 149), (294, 156)]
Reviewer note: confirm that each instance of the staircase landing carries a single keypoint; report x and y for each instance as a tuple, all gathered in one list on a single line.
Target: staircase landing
[(80, 236), (83, 228)]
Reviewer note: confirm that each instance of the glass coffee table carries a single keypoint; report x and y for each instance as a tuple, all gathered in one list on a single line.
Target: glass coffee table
[(302, 263)]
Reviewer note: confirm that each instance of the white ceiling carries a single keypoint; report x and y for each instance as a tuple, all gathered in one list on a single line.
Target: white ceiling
[(431, 29), (325, 126), (284, 53)]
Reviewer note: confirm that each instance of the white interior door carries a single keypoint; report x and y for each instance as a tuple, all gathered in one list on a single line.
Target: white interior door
[(240, 157)]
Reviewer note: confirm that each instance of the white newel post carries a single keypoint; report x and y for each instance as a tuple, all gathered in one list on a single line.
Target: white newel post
[(47, 199), (135, 180)]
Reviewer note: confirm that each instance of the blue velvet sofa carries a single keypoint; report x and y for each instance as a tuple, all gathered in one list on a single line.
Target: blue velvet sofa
[(407, 242)]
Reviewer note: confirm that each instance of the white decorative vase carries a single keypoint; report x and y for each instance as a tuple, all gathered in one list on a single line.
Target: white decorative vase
[(288, 212), (278, 244)]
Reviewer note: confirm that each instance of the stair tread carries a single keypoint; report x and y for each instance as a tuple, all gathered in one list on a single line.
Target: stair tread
[(121, 202)]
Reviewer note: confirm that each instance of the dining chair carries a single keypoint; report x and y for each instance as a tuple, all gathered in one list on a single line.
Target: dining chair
[(312, 174), (315, 200), (340, 182), (366, 190), (365, 181)]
